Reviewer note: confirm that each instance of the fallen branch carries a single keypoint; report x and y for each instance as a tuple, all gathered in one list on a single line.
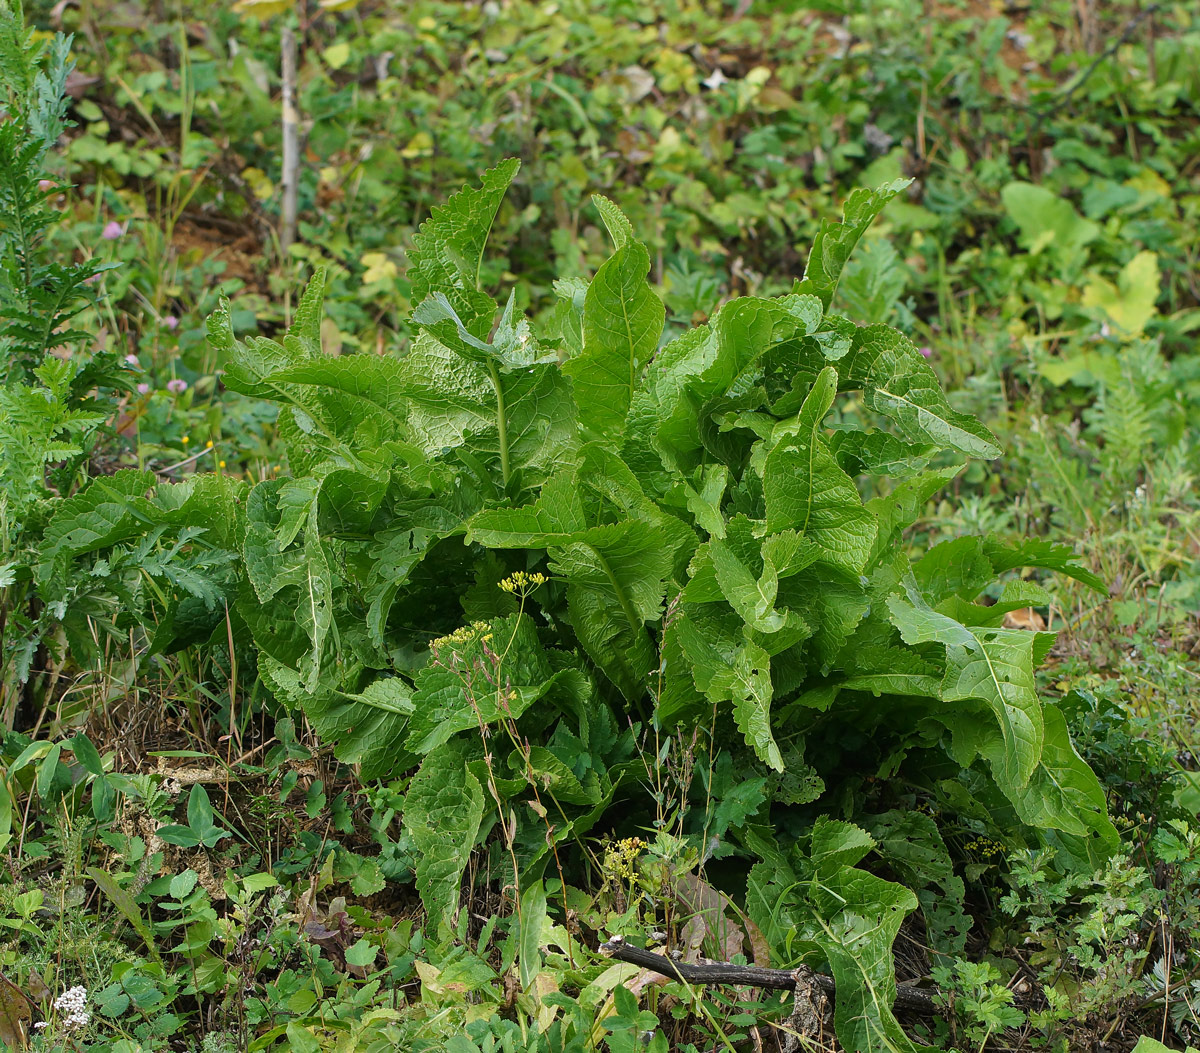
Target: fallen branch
[(907, 998)]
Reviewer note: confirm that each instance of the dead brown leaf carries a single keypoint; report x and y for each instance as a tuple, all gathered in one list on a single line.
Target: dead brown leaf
[(16, 1014), (1024, 618)]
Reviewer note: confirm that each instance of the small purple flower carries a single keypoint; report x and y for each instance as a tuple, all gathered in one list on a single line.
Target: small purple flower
[(46, 184), (926, 351), (112, 231), (132, 361), (143, 389), (171, 322), (177, 386)]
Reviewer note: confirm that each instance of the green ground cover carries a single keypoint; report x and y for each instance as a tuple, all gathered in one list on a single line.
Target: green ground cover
[(756, 518)]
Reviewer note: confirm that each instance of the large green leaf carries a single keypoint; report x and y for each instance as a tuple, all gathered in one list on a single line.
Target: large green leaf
[(834, 242), (957, 567), (111, 509), (1039, 552), (368, 727), (442, 813), (837, 844), (1048, 223), (616, 583), (463, 686), (861, 915), (897, 510), (622, 323), (314, 612), (251, 365), (994, 666), (209, 502), (879, 453), (662, 433), (556, 517), (745, 571), (448, 249), (1063, 793), (746, 682), (912, 846), (898, 383), (858, 917), (276, 512), (709, 637), (807, 491), (352, 388)]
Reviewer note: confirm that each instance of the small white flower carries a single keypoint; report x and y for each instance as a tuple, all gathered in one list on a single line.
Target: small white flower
[(78, 1021), (73, 1004), (715, 79)]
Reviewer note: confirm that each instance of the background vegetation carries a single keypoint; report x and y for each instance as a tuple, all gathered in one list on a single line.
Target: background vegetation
[(233, 821)]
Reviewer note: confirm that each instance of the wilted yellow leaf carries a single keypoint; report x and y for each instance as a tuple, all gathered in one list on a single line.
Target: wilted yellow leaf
[(1129, 304), (263, 8), (259, 182), (378, 268), (1150, 183), (670, 142), (336, 55), (338, 5), (420, 145)]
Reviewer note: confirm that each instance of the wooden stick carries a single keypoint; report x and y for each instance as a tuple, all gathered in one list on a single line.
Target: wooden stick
[(910, 998)]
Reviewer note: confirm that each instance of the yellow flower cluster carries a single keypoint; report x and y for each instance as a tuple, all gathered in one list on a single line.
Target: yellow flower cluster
[(620, 857), (462, 636), (986, 848), (522, 583)]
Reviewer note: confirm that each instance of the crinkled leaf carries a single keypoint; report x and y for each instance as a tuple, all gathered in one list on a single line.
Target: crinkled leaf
[(994, 666), (898, 383), (111, 509), (861, 917), (615, 584), (442, 813), (807, 491), (834, 242), (837, 844), (556, 517), (898, 510), (1039, 552), (368, 728), (746, 682), (1063, 793), (957, 567), (878, 453), (314, 613), (448, 249), (452, 695)]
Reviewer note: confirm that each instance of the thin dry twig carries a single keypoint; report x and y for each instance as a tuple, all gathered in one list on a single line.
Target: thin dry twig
[(291, 139)]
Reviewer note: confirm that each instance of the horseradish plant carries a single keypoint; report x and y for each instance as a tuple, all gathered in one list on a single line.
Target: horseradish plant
[(492, 553)]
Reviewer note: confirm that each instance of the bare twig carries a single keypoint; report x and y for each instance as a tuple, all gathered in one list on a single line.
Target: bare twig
[(1130, 28), (184, 463), (291, 139), (910, 998)]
